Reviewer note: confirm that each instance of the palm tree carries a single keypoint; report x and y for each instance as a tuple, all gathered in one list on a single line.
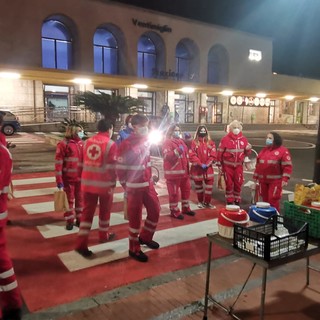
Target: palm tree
[(109, 105)]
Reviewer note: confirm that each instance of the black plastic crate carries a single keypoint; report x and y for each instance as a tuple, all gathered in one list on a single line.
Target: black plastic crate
[(279, 237)]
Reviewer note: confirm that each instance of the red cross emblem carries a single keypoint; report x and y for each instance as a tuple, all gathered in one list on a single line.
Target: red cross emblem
[(94, 152)]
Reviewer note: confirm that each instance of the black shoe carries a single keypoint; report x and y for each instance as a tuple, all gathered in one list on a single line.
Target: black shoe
[(151, 244), (110, 237), (178, 216), (77, 223), (86, 253), (190, 213), (139, 256), (229, 203), (69, 226), (237, 203), (11, 314)]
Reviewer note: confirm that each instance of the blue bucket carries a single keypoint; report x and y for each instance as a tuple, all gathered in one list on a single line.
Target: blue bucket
[(261, 215)]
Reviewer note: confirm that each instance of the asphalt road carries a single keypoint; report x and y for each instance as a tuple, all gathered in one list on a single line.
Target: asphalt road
[(32, 154)]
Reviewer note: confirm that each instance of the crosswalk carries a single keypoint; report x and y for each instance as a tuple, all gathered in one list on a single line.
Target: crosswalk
[(35, 196)]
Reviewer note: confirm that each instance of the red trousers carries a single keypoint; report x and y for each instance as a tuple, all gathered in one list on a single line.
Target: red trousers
[(135, 200), (234, 181), (90, 201), (173, 186), (271, 192), (204, 190), (74, 194), (10, 297)]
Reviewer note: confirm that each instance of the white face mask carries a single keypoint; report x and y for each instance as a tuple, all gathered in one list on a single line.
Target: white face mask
[(143, 131), (130, 125), (236, 131)]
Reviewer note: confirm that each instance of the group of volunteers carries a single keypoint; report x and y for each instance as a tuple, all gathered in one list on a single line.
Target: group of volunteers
[(88, 171)]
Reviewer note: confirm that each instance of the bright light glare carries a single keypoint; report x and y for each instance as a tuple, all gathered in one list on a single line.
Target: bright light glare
[(227, 92), (261, 95), (187, 89), (314, 99), (10, 75), (140, 86), (255, 55), (82, 81), (155, 137), (289, 97)]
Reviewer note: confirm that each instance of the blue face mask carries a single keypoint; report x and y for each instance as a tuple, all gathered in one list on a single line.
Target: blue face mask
[(81, 134), (269, 142)]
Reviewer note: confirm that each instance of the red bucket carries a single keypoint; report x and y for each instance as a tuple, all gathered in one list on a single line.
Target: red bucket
[(228, 217)]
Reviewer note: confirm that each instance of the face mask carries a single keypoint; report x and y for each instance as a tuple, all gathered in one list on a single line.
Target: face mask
[(176, 134), (269, 142), (236, 131), (202, 134), (130, 125), (81, 134), (143, 131)]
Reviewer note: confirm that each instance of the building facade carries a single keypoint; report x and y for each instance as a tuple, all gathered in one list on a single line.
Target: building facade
[(50, 50)]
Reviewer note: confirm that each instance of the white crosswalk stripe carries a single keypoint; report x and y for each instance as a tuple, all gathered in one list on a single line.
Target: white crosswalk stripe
[(31, 188)]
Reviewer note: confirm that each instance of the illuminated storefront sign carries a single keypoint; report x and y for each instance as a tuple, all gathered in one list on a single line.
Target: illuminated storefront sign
[(249, 101), (152, 26)]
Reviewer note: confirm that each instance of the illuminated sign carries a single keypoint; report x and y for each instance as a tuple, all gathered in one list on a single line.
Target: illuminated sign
[(152, 26), (255, 55), (249, 101)]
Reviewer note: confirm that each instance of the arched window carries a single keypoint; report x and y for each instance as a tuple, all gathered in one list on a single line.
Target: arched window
[(183, 61), (218, 65), (105, 50), (147, 57), (56, 45)]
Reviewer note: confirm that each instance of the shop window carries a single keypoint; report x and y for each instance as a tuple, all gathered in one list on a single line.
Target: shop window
[(105, 50), (312, 108), (218, 63), (148, 99), (288, 107), (56, 45), (146, 57)]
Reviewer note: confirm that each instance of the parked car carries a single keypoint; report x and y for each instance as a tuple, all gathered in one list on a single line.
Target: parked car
[(10, 124)]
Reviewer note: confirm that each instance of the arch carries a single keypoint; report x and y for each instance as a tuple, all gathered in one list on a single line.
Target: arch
[(105, 51), (57, 42), (151, 55), (218, 65), (187, 60)]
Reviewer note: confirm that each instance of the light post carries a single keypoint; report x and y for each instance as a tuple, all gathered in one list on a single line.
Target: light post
[(316, 172)]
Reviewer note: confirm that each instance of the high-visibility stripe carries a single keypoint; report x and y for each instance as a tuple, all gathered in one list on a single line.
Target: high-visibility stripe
[(128, 167), (71, 159), (273, 161), (232, 163), (235, 150), (70, 170), (174, 171), (273, 176), (5, 189), (286, 175), (58, 173), (150, 222), (3, 215), (137, 184), (99, 169), (285, 163), (7, 274), (134, 230), (103, 184), (9, 287), (59, 162)]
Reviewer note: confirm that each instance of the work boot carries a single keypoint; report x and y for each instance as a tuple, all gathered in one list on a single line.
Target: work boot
[(108, 237), (69, 225), (177, 215), (139, 256), (86, 253), (151, 244), (190, 213)]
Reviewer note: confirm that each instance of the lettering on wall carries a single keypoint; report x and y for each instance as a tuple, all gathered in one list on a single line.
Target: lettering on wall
[(152, 26), (164, 74), (249, 101)]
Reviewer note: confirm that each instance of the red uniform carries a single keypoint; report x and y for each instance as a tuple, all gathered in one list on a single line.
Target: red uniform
[(134, 172), (176, 172), (231, 152), (68, 168), (203, 152), (10, 298), (98, 181), (274, 165)]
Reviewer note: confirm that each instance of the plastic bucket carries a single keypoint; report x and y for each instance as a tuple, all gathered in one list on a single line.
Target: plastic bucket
[(261, 215)]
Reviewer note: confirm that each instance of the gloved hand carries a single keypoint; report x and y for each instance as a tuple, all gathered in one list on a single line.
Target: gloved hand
[(204, 166), (60, 185), (181, 148)]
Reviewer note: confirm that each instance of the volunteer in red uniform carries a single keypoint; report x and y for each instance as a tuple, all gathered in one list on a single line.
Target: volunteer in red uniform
[(10, 298), (231, 153), (273, 169), (176, 172), (134, 172), (98, 181), (203, 155), (68, 168)]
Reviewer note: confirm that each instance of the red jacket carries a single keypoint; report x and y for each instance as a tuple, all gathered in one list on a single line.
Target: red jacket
[(99, 164), (5, 178), (232, 150), (273, 163), (68, 166), (175, 159), (134, 165), (202, 152)]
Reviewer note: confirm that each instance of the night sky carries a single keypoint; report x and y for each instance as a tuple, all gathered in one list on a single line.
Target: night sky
[(294, 26)]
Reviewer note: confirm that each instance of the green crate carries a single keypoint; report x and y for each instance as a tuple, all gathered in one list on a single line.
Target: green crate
[(306, 214)]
